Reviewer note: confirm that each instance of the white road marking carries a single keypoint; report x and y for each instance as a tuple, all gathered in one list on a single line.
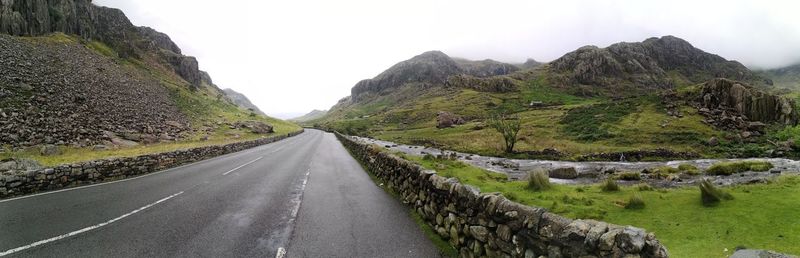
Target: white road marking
[(84, 230), (281, 253), (245, 164)]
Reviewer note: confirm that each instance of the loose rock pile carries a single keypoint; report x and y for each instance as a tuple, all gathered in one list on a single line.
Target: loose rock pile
[(62, 93)]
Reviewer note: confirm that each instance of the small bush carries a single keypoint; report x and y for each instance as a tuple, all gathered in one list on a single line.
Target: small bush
[(610, 185), (644, 187), (730, 168), (635, 203), (711, 195), (538, 180), (630, 176), (689, 169), (666, 170)]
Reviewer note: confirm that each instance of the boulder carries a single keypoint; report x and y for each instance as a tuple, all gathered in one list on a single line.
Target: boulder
[(446, 119), (750, 253), (713, 141), (254, 126), (563, 173), (50, 150)]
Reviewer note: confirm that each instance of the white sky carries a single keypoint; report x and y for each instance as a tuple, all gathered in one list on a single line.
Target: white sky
[(292, 56)]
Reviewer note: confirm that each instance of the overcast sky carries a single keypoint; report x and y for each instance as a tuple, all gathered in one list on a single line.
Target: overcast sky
[(292, 56)]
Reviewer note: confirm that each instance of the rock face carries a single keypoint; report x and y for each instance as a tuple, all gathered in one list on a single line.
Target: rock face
[(429, 68), (647, 65), (530, 64), (59, 92), (242, 101), (489, 84), (735, 105), (81, 17)]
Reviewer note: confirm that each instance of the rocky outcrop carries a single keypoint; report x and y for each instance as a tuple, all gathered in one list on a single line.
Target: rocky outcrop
[(254, 127), (647, 65), (429, 68), (735, 105), (19, 178), (489, 225), (489, 84), (446, 119), (242, 101), (56, 91), (108, 25), (485, 68)]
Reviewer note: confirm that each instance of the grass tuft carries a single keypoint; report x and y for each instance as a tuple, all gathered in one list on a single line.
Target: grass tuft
[(635, 202), (730, 168), (538, 180), (711, 195), (610, 185)]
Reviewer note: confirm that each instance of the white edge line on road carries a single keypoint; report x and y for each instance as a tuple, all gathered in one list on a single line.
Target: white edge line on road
[(87, 228), (245, 164), (296, 209)]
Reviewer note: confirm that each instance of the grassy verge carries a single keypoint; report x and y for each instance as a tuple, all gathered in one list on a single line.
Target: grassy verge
[(761, 216)]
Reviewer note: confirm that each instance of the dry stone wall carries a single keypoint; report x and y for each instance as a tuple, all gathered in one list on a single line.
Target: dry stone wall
[(117, 168), (489, 225)]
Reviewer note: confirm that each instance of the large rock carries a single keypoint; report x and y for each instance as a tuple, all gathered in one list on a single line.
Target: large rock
[(732, 104), (50, 150), (563, 173), (446, 119), (255, 127), (750, 253)]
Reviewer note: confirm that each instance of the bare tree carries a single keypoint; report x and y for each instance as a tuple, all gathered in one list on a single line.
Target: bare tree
[(509, 127)]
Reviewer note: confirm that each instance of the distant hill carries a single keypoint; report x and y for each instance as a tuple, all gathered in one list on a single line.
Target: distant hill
[(786, 77), (242, 101), (313, 115)]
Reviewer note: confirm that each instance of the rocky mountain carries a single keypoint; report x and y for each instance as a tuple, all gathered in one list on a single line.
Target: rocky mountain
[(91, 22), (313, 115), (530, 64), (656, 63), (242, 101), (429, 68)]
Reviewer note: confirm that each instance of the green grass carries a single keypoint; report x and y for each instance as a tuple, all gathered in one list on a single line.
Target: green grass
[(729, 168), (760, 216)]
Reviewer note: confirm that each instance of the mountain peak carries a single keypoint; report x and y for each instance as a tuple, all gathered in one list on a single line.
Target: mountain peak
[(646, 65)]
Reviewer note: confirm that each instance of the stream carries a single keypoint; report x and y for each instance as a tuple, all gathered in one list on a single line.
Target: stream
[(591, 172)]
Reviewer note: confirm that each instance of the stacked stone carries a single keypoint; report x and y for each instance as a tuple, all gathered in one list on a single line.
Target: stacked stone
[(489, 225), (116, 168)]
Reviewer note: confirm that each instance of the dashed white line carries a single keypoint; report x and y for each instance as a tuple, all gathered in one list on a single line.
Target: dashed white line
[(87, 228), (245, 164)]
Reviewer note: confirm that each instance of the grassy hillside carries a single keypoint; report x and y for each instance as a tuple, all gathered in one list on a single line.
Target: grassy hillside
[(562, 119), (206, 107)]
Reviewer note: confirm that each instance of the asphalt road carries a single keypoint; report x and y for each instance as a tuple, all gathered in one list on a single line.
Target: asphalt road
[(301, 197)]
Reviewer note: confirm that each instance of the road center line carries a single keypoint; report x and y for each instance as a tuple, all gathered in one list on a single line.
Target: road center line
[(245, 164), (84, 230)]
